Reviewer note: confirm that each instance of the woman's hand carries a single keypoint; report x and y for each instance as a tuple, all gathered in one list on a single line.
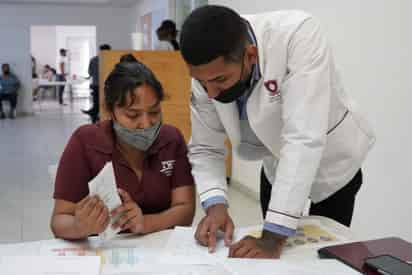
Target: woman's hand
[(131, 216), (91, 216)]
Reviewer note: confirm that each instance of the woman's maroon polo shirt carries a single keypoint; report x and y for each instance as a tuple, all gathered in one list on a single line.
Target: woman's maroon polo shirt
[(165, 166)]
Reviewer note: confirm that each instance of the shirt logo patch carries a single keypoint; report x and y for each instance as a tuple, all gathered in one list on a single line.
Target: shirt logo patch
[(167, 167), (273, 88)]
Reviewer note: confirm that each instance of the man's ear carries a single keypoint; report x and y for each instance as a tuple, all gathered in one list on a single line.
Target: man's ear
[(251, 53)]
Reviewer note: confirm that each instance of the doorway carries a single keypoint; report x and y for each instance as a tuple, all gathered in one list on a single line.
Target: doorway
[(46, 42)]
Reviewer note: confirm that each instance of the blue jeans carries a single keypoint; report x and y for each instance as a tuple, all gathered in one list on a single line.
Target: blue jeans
[(12, 98)]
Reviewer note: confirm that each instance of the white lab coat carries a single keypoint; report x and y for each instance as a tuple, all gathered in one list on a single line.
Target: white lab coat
[(298, 110)]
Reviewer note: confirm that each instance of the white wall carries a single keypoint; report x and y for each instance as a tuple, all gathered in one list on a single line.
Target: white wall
[(160, 9), (43, 45), (113, 27), (372, 45), (144, 7), (163, 9), (184, 7), (15, 50), (79, 57), (47, 40), (65, 32)]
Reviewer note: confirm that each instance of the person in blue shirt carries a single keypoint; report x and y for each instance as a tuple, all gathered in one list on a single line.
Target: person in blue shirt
[(9, 85)]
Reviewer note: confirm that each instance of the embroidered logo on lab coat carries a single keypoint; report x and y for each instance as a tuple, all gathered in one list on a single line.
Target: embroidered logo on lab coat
[(167, 167), (273, 88)]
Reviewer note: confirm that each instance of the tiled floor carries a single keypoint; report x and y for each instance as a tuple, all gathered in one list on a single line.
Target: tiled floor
[(28, 146)]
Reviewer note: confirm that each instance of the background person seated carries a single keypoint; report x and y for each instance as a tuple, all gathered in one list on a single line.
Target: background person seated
[(149, 159), (48, 73), (9, 86)]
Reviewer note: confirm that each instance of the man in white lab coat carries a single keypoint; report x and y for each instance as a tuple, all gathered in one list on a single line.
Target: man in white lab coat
[(268, 82)]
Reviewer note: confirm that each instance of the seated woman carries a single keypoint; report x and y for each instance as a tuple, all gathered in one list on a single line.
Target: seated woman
[(149, 160)]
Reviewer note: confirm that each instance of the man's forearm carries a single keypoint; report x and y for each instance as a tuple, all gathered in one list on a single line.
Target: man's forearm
[(273, 238), (272, 242)]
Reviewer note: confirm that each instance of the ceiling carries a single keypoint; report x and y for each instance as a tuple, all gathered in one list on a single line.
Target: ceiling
[(124, 3)]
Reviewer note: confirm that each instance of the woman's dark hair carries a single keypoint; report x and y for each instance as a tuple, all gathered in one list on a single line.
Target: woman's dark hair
[(210, 32), (128, 58), (105, 47), (168, 31), (124, 79), (175, 45), (169, 27)]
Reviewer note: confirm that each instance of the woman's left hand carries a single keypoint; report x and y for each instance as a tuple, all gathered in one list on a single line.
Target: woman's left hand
[(131, 216)]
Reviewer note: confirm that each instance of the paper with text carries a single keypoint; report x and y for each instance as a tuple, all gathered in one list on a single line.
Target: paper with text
[(104, 186)]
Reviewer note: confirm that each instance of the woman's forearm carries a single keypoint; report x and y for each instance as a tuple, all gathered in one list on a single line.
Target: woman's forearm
[(64, 227), (181, 214)]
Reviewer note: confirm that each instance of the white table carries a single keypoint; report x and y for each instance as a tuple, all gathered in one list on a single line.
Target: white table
[(68, 85), (301, 257), (46, 82)]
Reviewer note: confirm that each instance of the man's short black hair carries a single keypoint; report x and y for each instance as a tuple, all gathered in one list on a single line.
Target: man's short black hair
[(210, 32), (124, 79), (105, 47)]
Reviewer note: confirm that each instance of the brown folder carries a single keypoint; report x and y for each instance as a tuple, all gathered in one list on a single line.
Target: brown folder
[(354, 254)]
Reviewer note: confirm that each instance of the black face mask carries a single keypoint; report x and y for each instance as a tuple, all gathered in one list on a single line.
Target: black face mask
[(6, 72), (237, 90)]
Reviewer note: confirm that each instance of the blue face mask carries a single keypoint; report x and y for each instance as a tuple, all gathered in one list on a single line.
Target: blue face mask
[(140, 139)]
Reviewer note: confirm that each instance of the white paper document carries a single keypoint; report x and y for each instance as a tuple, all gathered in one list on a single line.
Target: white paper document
[(38, 265), (104, 186), (183, 248), (175, 269), (20, 249), (113, 258)]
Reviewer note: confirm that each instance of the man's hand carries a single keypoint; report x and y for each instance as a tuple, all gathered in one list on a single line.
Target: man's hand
[(269, 246), (91, 216), (131, 216), (217, 218)]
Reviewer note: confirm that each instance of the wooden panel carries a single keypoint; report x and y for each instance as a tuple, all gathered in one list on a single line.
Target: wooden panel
[(168, 67), (179, 116), (172, 72)]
